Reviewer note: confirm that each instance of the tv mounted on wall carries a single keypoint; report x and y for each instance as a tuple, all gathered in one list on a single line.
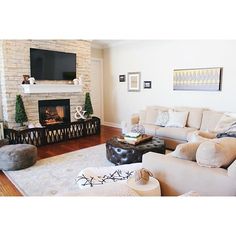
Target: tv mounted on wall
[(52, 65)]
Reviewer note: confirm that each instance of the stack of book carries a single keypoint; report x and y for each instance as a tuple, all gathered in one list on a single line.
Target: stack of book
[(132, 137)]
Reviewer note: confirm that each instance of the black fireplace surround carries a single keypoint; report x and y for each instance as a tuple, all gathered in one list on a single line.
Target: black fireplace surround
[(55, 111)]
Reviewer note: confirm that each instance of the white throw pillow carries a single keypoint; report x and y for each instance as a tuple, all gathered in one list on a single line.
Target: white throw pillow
[(162, 118), (186, 151), (217, 152), (177, 119), (225, 122)]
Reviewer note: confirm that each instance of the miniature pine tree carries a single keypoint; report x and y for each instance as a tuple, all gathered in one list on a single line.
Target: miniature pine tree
[(20, 115), (88, 105)]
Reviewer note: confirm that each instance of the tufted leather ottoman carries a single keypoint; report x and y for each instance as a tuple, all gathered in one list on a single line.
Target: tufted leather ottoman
[(122, 153)]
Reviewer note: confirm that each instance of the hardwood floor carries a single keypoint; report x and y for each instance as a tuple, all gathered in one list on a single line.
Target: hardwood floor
[(8, 189)]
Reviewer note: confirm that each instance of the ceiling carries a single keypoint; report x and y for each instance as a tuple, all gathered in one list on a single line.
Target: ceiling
[(105, 43)]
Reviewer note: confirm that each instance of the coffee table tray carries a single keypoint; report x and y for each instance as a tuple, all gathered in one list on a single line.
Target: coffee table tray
[(145, 138)]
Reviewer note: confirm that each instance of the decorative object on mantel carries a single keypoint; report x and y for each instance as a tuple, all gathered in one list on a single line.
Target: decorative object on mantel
[(88, 105), (134, 79), (142, 176), (201, 79), (1, 131), (78, 81), (147, 85), (20, 115), (79, 114), (25, 79), (31, 80)]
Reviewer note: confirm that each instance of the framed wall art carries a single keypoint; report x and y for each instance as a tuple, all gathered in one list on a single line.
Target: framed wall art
[(147, 84), (199, 79), (122, 78), (134, 79)]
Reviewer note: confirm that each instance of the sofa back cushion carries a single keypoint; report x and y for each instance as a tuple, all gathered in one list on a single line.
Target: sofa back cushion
[(217, 152), (149, 115), (210, 120), (195, 116)]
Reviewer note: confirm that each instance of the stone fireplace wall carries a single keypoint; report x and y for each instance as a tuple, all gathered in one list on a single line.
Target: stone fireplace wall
[(15, 62)]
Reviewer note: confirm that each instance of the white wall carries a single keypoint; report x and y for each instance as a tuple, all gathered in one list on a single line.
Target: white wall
[(156, 60)]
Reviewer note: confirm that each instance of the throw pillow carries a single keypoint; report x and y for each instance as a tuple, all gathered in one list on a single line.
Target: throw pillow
[(217, 152), (186, 151), (225, 123), (177, 119), (200, 136), (162, 118)]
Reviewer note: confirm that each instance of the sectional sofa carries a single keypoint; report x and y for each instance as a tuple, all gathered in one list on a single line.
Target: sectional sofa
[(177, 176), (198, 119)]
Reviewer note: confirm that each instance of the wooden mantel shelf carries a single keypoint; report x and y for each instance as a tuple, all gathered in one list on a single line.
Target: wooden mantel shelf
[(51, 88)]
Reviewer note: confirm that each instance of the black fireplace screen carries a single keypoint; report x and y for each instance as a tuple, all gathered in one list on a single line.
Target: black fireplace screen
[(54, 111)]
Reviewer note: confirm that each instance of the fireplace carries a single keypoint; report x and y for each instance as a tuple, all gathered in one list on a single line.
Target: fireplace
[(54, 111)]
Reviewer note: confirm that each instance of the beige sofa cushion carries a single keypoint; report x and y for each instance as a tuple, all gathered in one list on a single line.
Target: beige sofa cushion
[(150, 129), (210, 119), (195, 116), (186, 151), (151, 116), (177, 119), (217, 152), (174, 133), (142, 116)]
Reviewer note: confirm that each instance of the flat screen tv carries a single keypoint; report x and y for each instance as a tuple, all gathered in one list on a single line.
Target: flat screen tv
[(52, 65)]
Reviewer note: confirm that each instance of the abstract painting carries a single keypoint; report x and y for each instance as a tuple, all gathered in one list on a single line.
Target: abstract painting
[(201, 79)]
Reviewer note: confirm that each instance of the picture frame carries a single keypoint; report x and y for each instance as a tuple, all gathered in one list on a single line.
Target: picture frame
[(134, 79), (198, 79), (147, 84), (122, 78)]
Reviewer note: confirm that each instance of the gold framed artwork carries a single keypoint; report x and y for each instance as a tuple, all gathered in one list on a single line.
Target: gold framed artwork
[(134, 79), (200, 79)]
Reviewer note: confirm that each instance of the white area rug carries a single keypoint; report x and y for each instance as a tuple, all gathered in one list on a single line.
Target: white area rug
[(56, 176)]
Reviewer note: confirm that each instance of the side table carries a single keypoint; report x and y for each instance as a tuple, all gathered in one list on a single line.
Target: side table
[(152, 188)]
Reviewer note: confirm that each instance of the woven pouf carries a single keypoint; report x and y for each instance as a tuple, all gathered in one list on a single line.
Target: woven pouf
[(17, 157)]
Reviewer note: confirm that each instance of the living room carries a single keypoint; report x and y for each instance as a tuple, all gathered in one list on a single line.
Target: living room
[(115, 116)]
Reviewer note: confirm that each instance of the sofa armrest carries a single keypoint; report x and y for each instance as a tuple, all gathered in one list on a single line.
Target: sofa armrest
[(232, 170), (134, 119)]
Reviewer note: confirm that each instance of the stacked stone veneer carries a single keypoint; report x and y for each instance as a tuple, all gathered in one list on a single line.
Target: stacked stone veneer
[(15, 62)]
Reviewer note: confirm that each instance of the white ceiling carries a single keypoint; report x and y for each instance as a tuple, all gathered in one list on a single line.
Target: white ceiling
[(105, 43)]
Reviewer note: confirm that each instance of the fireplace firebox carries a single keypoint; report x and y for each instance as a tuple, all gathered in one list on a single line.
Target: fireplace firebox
[(54, 111)]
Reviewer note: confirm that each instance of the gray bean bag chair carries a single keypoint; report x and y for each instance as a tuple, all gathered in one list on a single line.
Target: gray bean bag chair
[(17, 156)]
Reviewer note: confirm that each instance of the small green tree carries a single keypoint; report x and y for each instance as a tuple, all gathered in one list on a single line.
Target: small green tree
[(88, 105), (20, 115)]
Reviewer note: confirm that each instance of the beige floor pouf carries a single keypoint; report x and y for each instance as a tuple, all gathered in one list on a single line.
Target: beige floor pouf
[(17, 157)]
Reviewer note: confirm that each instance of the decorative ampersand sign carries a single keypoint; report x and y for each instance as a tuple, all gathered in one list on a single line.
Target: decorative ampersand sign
[(79, 114)]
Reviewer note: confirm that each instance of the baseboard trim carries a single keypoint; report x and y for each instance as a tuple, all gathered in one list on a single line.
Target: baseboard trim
[(111, 124)]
